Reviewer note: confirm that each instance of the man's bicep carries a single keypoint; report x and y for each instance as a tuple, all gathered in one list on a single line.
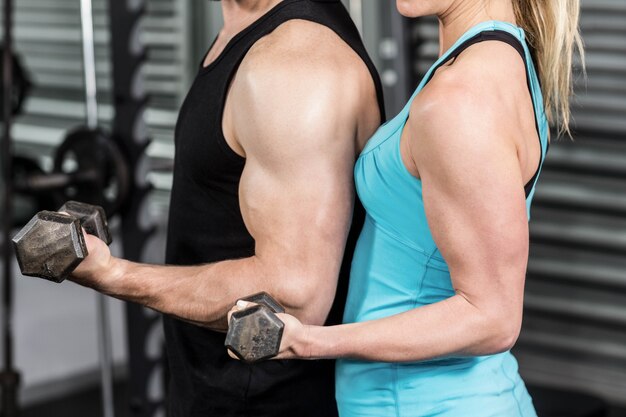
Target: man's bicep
[(296, 194), (295, 198), (298, 211), (296, 121)]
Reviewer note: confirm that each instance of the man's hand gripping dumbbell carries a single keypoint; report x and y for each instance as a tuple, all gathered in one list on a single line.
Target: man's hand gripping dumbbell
[(52, 244)]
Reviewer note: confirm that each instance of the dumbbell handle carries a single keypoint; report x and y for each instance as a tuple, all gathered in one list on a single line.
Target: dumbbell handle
[(93, 224)]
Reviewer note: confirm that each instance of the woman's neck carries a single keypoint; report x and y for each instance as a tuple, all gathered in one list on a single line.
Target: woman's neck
[(461, 15)]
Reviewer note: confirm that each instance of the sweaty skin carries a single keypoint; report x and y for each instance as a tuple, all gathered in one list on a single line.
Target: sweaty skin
[(471, 139), (299, 109)]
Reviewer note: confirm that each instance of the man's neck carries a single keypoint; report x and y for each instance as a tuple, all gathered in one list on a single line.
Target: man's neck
[(240, 13)]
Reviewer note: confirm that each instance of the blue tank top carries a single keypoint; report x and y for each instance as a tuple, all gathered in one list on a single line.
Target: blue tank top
[(397, 267)]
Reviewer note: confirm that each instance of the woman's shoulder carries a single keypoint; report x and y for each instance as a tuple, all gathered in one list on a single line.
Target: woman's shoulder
[(480, 89)]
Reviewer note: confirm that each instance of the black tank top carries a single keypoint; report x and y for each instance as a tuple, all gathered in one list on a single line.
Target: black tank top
[(205, 225)]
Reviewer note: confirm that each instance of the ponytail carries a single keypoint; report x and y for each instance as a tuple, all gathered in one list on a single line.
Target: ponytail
[(552, 31)]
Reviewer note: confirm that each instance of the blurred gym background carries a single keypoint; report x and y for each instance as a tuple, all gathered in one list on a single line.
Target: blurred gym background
[(572, 350)]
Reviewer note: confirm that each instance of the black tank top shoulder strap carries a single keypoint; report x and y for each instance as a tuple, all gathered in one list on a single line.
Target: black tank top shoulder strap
[(488, 35), (327, 13), (506, 37)]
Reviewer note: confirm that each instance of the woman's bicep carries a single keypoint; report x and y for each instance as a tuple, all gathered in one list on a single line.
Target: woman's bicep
[(474, 201)]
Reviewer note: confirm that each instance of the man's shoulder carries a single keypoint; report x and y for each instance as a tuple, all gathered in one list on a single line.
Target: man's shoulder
[(301, 78), (305, 52)]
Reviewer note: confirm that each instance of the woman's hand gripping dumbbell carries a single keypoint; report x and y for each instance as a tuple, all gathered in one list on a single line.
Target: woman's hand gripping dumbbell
[(52, 244)]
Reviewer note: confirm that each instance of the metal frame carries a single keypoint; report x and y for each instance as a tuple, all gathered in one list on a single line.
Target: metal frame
[(130, 101), (91, 111), (9, 377), (393, 56)]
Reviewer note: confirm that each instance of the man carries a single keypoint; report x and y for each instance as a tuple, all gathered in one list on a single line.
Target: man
[(262, 200)]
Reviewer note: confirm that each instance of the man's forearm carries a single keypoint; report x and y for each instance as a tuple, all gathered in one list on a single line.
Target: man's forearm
[(200, 294), (203, 294)]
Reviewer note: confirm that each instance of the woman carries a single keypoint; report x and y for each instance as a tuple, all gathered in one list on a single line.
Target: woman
[(436, 290)]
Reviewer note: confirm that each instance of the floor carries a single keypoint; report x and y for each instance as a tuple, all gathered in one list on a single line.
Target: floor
[(87, 404), (82, 404)]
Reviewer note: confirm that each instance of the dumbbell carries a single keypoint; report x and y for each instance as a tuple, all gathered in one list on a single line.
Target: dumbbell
[(52, 245), (254, 334)]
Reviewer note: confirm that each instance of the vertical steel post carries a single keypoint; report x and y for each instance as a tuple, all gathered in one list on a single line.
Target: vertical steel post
[(130, 101), (9, 377), (356, 12), (401, 64), (91, 111)]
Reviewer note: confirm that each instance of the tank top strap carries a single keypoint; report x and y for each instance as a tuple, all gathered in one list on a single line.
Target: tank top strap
[(475, 34), (445, 57), (514, 36)]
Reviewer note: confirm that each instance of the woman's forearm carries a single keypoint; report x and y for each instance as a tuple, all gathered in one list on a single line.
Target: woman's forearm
[(453, 327)]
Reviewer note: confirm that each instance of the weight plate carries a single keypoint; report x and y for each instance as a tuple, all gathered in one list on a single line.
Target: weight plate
[(27, 203), (100, 171)]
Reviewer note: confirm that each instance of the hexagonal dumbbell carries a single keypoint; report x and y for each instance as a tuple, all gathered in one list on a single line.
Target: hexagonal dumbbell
[(92, 218), (254, 334), (52, 244)]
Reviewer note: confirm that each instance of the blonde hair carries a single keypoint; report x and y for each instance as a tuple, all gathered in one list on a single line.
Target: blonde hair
[(553, 32)]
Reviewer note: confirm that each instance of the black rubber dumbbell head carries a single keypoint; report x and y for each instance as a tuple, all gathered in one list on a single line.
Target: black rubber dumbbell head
[(50, 246), (254, 334)]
